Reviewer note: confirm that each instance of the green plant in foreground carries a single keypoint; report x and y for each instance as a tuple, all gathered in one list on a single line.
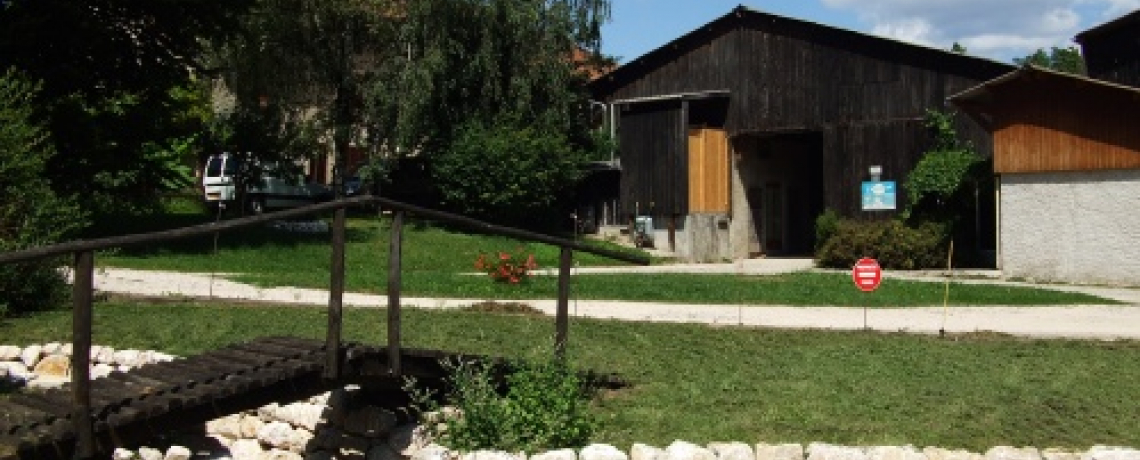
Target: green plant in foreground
[(543, 406)]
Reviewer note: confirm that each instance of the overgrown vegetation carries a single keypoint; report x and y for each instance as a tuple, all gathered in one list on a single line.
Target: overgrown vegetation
[(31, 214), (711, 384), (542, 404)]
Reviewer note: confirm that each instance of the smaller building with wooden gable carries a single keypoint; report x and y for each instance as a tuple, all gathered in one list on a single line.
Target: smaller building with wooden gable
[(1067, 161)]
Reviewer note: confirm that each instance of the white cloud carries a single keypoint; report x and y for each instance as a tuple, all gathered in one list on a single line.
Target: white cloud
[(999, 29)]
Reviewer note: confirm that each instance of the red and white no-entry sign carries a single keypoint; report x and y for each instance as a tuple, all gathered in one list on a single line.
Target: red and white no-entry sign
[(867, 274)]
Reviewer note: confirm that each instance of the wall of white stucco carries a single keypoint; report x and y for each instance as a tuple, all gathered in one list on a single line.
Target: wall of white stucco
[(1081, 227)]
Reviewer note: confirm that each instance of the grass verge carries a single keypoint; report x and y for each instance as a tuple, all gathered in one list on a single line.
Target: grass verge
[(705, 384)]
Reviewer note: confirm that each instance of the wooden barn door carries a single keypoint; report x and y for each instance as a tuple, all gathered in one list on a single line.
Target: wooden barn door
[(708, 171)]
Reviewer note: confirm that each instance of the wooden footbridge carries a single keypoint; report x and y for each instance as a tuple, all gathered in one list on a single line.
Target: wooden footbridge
[(89, 418)]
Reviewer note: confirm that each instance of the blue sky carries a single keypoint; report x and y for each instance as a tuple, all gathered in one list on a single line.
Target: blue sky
[(997, 29)]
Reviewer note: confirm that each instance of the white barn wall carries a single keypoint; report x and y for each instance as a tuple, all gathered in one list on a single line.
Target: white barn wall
[(1079, 227)]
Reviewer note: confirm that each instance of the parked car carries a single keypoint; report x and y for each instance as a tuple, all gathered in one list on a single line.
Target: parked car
[(274, 186)]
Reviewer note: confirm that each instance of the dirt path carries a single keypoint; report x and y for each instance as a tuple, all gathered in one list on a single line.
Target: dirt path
[(1092, 321)]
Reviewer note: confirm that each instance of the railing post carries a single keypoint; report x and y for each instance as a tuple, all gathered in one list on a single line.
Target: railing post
[(81, 327), (336, 298), (562, 321), (394, 267)]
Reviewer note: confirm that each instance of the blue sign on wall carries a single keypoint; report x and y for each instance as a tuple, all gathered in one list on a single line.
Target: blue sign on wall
[(879, 196)]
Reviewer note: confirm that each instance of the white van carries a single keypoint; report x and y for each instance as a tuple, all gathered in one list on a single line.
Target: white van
[(279, 187)]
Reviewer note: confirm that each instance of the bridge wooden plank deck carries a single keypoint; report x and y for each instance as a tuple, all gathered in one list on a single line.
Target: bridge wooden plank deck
[(130, 407)]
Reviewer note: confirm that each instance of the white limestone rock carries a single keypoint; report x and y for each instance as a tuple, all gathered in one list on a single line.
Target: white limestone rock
[(821, 451), (228, 426), (646, 452), (299, 440), (150, 453), (159, 357), (370, 421), (106, 355), (601, 452), (66, 349), (681, 450), (895, 453), (9, 352), (122, 454), (53, 366), (304, 415), (1111, 453), (46, 382), (779, 452), (16, 371), (275, 434), (321, 399), (249, 425), (434, 452), (492, 455), (94, 353), (177, 453), (938, 453), (53, 348), (560, 454), (732, 451), (1013, 453), (246, 449), (127, 358), (30, 355), (99, 371), (1059, 454)]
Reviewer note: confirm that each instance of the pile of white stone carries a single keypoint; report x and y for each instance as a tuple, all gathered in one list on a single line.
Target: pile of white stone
[(49, 365), (343, 425)]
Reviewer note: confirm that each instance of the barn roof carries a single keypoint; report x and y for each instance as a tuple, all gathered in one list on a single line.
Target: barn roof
[(1129, 20), (742, 16), (981, 101)]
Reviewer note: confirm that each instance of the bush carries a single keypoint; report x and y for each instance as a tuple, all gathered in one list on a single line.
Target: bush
[(894, 244), (30, 214), (825, 226), (543, 407)]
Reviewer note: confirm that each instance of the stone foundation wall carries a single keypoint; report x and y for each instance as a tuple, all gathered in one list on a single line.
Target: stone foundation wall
[(341, 425)]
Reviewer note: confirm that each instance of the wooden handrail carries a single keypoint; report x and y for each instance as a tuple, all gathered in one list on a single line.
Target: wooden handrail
[(83, 288)]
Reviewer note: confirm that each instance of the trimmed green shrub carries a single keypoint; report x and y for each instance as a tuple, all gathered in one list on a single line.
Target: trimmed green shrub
[(30, 214), (825, 226), (543, 406), (894, 244)]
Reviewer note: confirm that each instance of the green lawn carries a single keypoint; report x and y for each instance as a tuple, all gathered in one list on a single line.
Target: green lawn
[(438, 262), (703, 384)]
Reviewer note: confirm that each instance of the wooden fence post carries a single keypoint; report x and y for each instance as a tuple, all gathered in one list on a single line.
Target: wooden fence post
[(81, 328), (336, 298), (394, 266), (562, 322)]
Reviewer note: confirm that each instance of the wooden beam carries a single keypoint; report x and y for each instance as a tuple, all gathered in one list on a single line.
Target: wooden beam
[(394, 266), (82, 299), (336, 298)]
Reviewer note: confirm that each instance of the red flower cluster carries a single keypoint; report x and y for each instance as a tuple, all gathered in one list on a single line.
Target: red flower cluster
[(506, 268)]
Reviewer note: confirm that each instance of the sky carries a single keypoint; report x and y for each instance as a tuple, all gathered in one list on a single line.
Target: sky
[(996, 29)]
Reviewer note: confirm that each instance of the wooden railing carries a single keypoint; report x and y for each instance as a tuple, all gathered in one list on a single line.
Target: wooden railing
[(83, 253)]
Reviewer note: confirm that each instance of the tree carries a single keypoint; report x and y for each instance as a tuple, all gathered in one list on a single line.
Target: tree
[(487, 64), (122, 103), (957, 48), (1067, 60), (309, 60), (31, 214)]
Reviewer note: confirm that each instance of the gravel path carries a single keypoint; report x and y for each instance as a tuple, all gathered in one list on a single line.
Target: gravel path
[(1082, 321)]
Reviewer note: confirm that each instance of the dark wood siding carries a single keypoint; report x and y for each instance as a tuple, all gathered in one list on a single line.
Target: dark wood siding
[(850, 149), (865, 94), (1114, 56), (653, 160)]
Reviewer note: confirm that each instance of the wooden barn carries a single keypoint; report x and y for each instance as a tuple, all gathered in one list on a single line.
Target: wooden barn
[(1112, 50), (1067, 160), (735, 136)]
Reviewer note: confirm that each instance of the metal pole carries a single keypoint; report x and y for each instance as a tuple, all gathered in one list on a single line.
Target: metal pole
[(394, 263), (562, 321), (336, 298), (81, 329)]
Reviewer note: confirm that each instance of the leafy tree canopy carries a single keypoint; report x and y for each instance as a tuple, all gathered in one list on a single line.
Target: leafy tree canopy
[(1067, 60)]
